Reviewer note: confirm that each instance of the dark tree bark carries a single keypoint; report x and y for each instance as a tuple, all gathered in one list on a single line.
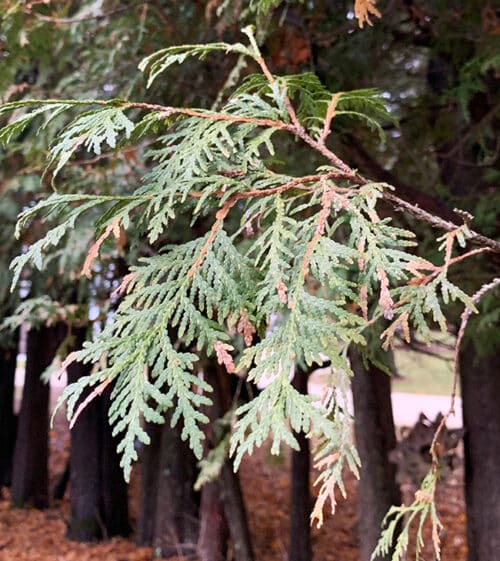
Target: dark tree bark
[(168, 516), (375, 438), (300, 508), (98, 491), (171, 518), (234, 508), (176, 522), (85, 518), (114, 496), (8, 420), (212, 541), (150, 464), (213, 538), (222, 499), (62, 483), (481, 410), (30, 473)]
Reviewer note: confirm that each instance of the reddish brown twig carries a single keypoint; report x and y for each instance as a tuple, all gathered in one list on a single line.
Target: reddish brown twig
[(330, 113), (217, 225)]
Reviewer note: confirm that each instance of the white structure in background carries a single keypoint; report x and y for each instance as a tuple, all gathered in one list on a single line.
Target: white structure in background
[(57, 384), (406, 407)]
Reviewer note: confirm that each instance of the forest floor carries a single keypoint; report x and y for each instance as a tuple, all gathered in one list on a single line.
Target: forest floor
[(31, 535)]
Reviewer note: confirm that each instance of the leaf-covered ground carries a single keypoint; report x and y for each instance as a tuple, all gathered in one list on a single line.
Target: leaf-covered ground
[(30, 535)]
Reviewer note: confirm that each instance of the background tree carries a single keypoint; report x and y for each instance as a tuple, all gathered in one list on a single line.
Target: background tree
[(8, 341)]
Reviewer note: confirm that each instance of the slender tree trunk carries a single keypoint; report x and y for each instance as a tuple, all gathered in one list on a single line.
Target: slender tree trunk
[(213, 537), (300, 508), (150, 465), (212, 541), (98, 491), (176, 524), (30, 472), (8, 421), (480, 381), (114, 492), (223, 498), (62, 483), (168, 516), (375, 438), (85, 522), (234, 508)]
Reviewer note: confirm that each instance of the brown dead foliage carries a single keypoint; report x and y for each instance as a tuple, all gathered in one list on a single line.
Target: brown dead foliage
[(31, 535)]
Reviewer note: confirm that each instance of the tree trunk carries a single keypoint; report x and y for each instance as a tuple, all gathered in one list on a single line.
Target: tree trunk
[(481, 397), (8, 421), (150, 465), (114, 492), (62, 483), (375, 438), (223, 498), (176, 524), (98, 494), (85, 523), (30, 473), (300, 508), (234, 508), (168, 516), (212, 541), (213, 537)]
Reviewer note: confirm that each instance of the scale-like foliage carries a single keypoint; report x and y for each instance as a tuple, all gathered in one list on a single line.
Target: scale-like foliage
[(90, 130), (313, 99), (37, 312), (165, 305), (161, 60), (287, 264), (421, 510)]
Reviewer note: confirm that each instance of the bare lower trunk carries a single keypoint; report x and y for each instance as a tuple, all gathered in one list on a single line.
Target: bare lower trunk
[(375, 438), (150, 464), (234, 508), (8, 421), (223, 508), (30, 475), (176, 521), (213, 538), (98, 495), (62, 483), (114, 495), (168, 515), (481, 397), (212, 541), (300, 508)]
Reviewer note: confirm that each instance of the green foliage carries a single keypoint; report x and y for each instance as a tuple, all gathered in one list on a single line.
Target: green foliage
[(264, 5), (313, 98), (89, 130), (38, 312), (472, 78), (284, 271), (212, 464), (161, 60), (140, 349), (483, 331), (36, 253), (422, 509)]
